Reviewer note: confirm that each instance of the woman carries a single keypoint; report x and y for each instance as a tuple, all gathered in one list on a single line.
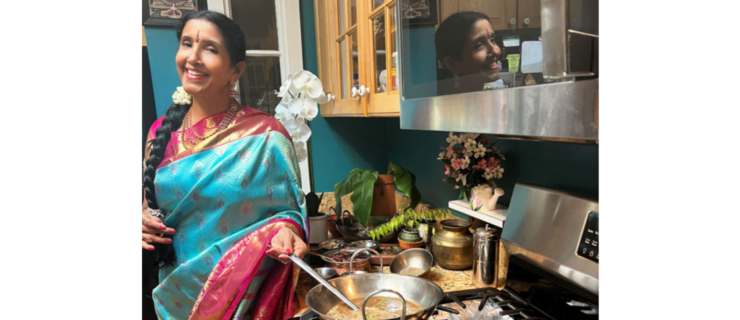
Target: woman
[(466, 53), (222, 189)]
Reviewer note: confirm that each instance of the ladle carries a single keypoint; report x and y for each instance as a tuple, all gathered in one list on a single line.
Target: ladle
[(322, 281)]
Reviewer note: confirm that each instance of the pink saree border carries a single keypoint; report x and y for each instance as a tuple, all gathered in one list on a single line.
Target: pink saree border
[(230, 278)]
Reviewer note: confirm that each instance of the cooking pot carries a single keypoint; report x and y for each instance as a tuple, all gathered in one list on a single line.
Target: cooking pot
[(419, 291)]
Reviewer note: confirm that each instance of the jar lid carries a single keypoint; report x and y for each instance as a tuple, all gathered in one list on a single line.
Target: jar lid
[(483, 232)]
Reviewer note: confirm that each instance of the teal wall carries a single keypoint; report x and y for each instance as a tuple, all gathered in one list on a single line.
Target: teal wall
[(162, 45), (341, 144)]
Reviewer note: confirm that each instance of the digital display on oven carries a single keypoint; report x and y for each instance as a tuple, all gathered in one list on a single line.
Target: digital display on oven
[(588, 247)]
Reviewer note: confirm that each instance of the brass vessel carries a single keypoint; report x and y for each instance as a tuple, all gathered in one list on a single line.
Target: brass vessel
[(453, 246)]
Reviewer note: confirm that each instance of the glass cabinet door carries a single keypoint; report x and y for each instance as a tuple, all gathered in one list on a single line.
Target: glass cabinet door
[(381, 77), (349, 54)]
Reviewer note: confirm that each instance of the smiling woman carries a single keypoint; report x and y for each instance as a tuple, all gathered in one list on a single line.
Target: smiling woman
[(222, 180), (467, 51)]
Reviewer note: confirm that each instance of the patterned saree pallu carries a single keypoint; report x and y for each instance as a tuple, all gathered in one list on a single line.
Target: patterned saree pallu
[(226, 198)]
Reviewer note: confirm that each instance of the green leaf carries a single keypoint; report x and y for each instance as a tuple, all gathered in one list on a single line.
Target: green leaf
[(344, 187), (362, 196), (406, 182)]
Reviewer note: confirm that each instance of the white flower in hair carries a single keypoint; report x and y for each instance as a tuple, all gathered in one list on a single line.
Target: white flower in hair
[(181, 97)]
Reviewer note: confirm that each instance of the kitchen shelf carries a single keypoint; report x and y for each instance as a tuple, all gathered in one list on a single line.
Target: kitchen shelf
[(496, 217)]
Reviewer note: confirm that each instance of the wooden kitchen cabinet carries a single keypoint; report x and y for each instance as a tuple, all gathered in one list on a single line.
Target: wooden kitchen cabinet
[(504, 14), (528, 14), (355, 40)]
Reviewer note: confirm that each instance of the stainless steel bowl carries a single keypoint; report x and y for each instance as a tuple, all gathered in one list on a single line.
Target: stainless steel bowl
[(421, 292), (352, 230), (413, 258), (365, 244), (326, 273)]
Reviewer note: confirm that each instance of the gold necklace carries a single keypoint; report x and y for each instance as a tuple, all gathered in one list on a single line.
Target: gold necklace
[(188, 127)]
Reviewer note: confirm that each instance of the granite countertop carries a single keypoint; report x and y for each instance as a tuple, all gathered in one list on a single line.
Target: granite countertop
[(448, 280)]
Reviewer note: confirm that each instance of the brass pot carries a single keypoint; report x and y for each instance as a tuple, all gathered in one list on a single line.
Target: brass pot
[(453, 246)]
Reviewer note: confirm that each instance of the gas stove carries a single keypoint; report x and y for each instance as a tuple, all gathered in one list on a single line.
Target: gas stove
[(552, 240)]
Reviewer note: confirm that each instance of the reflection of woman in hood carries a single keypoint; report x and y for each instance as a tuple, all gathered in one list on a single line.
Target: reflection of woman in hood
[(466, 52)]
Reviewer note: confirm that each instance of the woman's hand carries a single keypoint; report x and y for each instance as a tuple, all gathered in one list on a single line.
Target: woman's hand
[(284, 243), (150, 227)]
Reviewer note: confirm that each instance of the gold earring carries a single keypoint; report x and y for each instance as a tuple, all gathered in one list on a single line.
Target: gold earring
[(233, 93)]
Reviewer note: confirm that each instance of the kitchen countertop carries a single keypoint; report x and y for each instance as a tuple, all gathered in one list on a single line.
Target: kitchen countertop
[(448, 280)]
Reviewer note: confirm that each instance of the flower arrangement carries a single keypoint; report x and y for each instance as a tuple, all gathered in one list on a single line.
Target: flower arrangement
[(470, 160), (300, 95)]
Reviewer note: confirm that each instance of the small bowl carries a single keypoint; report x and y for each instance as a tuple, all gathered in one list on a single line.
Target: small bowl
[(413, 258), (326, 273), (365, 244), (331, 244)]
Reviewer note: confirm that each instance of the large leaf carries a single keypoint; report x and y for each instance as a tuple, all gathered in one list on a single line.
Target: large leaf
[(344, 187), (406, 182), (362, 196)]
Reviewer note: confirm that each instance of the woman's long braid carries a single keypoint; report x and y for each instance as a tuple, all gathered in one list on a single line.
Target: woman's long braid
[(172, 121)]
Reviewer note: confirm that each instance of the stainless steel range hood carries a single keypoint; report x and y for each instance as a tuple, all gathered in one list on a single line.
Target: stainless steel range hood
[(563, 107)]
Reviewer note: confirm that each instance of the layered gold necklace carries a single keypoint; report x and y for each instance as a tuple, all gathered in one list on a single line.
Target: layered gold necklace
[(192, 136)]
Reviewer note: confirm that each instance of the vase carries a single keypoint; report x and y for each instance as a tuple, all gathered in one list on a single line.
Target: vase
[(453, 246), (318, 227), (484, 198), (384, 196)]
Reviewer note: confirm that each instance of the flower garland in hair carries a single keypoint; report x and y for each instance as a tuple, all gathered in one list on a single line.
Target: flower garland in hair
[(471, 160), (181, 96), (300, 95)]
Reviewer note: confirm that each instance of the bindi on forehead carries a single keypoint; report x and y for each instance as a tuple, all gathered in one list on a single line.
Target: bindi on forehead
[(197, 37)]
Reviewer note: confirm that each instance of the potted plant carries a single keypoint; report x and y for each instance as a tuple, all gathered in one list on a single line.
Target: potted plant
[(317, 221), (472, 161), (372, 193)]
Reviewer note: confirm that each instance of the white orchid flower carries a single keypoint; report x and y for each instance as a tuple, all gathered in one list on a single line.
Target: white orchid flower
[(282, 113), (324, 98), (307, 84), (300, 151), (441, 155), (298, 129), (304, 107)]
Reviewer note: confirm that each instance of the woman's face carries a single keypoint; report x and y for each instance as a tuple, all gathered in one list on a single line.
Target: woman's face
[(481, 54), (202, 60)]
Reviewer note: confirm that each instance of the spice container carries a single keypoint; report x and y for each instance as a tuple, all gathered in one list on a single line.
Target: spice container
[(485, 251)]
